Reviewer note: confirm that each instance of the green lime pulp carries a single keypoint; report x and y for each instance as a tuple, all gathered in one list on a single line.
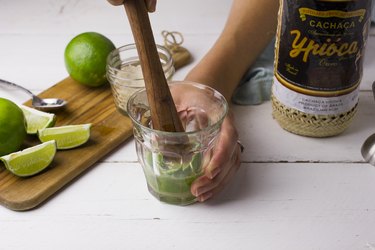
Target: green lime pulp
[(170, 181)]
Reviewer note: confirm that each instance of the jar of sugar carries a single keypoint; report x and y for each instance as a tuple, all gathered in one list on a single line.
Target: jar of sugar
[(124, 72)]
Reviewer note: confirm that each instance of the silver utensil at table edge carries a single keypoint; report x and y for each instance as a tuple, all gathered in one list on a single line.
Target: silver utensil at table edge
[(45, 104), (368, 147)]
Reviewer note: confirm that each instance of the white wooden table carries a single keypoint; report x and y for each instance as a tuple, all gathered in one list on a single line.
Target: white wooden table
[(291, 192)]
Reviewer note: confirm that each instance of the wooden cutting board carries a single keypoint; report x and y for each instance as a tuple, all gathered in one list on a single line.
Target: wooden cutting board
[(85, 105)]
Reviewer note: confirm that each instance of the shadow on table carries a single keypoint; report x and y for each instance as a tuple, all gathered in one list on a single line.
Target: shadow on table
[(240, 187), (365, 118)]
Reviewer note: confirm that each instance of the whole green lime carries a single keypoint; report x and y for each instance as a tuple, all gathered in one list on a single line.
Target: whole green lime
[(86, 58), (12, 127)]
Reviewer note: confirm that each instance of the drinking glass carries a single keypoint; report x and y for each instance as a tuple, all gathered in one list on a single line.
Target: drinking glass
[(171, 161)]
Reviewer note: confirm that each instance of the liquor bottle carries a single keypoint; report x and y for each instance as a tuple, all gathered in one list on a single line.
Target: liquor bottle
[(319, 53)]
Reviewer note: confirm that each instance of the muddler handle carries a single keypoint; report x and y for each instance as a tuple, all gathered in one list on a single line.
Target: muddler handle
[(163, 110)]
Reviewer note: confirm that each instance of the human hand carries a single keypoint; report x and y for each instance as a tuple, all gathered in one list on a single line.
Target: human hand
[(223, 165), (225, 159), (150, 4)]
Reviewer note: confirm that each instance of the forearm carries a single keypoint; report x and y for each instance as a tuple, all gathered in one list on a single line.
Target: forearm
[(249, 28)]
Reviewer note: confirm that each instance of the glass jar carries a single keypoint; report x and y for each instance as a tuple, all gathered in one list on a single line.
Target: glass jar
[(124, 72), (171, 161)]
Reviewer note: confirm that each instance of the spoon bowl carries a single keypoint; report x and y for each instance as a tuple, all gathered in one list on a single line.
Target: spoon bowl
[(368, 150), (47, 104), (368, 147)]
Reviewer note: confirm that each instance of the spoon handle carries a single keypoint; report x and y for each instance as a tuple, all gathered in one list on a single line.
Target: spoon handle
[(17, 86), (163, 110)]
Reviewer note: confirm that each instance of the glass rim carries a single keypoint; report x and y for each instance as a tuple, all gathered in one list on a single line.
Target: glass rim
[(168, 66), (166, 133)]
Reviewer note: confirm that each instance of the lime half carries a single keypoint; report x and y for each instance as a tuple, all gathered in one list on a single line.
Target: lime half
[(30, 161), (36, 119), (66, 137)]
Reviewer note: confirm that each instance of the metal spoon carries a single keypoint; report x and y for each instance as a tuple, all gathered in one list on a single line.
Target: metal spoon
[(368, 147), (47, 104)]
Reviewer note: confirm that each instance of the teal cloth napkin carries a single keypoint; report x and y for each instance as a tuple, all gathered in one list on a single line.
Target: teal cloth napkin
[(255, 86)]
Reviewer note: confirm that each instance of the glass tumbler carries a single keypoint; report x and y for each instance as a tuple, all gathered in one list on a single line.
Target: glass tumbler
[(171, 161), (124, 72)]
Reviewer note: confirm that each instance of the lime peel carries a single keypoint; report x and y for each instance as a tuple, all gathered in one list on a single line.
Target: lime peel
[(36, 119), (86, 58), (12, 127), (30, 161), (66, 137)]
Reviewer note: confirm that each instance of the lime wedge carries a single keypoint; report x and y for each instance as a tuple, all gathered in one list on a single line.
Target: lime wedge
[(30, 161), (66, 137), (36, 119)]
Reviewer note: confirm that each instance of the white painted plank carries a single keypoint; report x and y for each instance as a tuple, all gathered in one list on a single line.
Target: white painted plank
[(38, 40), (37, 61), (268, 206), (40, 68), (76, 16), (265, 140)]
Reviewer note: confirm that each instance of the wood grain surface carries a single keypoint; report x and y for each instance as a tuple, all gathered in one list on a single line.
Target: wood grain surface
[(85, 105)]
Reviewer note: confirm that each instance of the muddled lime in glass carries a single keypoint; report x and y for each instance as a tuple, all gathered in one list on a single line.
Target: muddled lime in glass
[(170, 179)]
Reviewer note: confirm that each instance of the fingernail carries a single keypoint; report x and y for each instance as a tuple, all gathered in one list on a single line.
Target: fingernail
[(205, 197), (214, 173), (198, 192)]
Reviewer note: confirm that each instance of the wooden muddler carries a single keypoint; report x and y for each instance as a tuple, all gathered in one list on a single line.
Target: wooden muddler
[(163, 110)]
